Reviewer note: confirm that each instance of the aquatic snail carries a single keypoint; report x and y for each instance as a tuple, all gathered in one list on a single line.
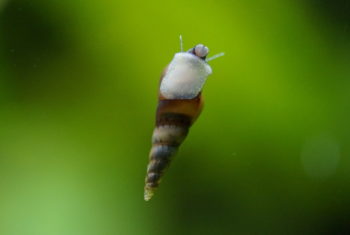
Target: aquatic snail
[(180, 104)]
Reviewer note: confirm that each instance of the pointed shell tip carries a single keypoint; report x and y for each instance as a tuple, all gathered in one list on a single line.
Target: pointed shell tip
[(148, 195)]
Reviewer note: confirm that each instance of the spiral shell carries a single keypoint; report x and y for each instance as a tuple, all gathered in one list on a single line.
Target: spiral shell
[(174, 118)]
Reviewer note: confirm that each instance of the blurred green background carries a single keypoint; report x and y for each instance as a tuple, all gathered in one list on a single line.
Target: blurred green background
[(78, 92)]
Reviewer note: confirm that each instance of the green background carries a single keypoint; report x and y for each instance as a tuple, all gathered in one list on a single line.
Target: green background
[(78, 92)]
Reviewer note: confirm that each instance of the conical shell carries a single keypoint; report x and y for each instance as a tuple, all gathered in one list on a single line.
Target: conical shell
[(174, 118)]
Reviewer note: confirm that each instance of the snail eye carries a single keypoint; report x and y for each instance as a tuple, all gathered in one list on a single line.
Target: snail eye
[(201, 51)]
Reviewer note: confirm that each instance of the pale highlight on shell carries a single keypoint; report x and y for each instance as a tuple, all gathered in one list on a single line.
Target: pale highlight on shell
[(185, 77)]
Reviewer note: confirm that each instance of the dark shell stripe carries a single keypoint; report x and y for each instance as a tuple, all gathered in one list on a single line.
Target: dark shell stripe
[(173, 119)]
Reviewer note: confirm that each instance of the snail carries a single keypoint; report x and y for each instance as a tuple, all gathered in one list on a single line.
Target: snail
[(179, 105)]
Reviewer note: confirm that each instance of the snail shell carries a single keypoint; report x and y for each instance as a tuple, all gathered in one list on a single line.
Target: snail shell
[(180, 103)]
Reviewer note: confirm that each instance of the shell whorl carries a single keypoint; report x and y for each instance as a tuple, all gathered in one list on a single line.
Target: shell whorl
[(171, 130)]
